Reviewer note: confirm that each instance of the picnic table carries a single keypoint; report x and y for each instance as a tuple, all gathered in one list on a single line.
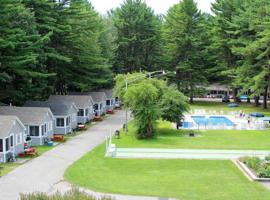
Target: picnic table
[(97, 118), (30, 152), (58, 138)]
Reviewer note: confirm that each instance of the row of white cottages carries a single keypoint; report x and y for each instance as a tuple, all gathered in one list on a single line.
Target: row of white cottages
[(40, 120)]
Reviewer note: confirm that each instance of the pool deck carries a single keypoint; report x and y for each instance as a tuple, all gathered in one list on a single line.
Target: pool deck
[(207, 154)]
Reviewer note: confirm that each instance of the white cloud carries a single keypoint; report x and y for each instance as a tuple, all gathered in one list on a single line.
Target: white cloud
[(159, 6)]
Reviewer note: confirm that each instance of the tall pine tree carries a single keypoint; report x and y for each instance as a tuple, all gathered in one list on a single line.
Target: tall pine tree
[(184, 44), (138, 37), (20, 48)]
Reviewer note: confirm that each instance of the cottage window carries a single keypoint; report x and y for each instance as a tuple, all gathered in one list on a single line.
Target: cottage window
[(34, 131), (86, 112), (12, 141), (60, 122), (42, 130), (1, 145), (81, 112), (95, 107), (68, 120), (45, 127), (7, 144), (108, 102)]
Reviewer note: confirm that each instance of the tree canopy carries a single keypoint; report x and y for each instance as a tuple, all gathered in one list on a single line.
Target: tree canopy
[(150, 99)]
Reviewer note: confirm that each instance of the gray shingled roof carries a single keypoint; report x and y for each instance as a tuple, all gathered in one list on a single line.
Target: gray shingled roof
[(6, 124), (79, 100), (57, 107), (96, 96), (108, 92), (27, 115)]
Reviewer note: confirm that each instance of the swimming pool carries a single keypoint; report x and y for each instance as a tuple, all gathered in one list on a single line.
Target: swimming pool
[(212, 120)]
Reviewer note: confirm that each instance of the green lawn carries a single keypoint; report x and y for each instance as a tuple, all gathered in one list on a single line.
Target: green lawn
[(247, 108), (169, 137), (42, 149), (5, 168), (183, 179)]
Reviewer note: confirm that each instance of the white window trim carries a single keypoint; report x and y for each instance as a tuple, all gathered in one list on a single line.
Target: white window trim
[(64, 122), (12, 134), (39, 134)]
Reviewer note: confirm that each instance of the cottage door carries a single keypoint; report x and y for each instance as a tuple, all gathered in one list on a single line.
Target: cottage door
[(11, 143)]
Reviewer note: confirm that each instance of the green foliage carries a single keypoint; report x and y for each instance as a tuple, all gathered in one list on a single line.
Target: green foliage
[(138, 37), (267, 158), (149, 99), (70, 195), (142, 98), (253, 162), (173, 104), (264, 172), (184, 46), (89, 68), (20, 47)]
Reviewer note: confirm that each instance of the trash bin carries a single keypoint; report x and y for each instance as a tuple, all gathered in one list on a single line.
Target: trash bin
[(50, 143)]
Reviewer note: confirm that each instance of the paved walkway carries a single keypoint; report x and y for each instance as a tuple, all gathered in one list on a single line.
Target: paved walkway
[(44, 172), (187, 153)]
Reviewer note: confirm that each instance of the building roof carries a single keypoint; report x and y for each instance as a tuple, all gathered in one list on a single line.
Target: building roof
[(217, 86), (27, 115), (6, 124), (96, 96), (108, 92), (79, 100), (57, 107)]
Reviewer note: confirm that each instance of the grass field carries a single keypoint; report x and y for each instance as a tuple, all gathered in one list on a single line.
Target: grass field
[(169, 137), (247, 108), (182, 179), (5, 168)]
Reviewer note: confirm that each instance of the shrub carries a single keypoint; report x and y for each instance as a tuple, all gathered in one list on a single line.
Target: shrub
[(73, 194), (264, 172), (267, 158), (253, 162)]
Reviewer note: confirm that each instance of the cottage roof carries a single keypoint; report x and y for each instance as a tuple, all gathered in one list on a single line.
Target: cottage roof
[(57, 107), (96, 96), (79, 100), (6, 124), (108, 92), (28, 115)]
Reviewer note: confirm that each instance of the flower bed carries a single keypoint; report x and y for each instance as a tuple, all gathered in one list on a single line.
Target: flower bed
[(256, 166)]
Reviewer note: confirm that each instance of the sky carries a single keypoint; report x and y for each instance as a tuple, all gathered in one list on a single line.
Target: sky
[(159, 6)]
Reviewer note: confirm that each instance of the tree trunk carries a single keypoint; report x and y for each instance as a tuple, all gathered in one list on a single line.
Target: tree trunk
[(191, 100), (265, 98), (257, 101), (235, 99)]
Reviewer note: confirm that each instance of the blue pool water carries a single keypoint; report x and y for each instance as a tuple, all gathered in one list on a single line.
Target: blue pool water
[(213, 120)]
